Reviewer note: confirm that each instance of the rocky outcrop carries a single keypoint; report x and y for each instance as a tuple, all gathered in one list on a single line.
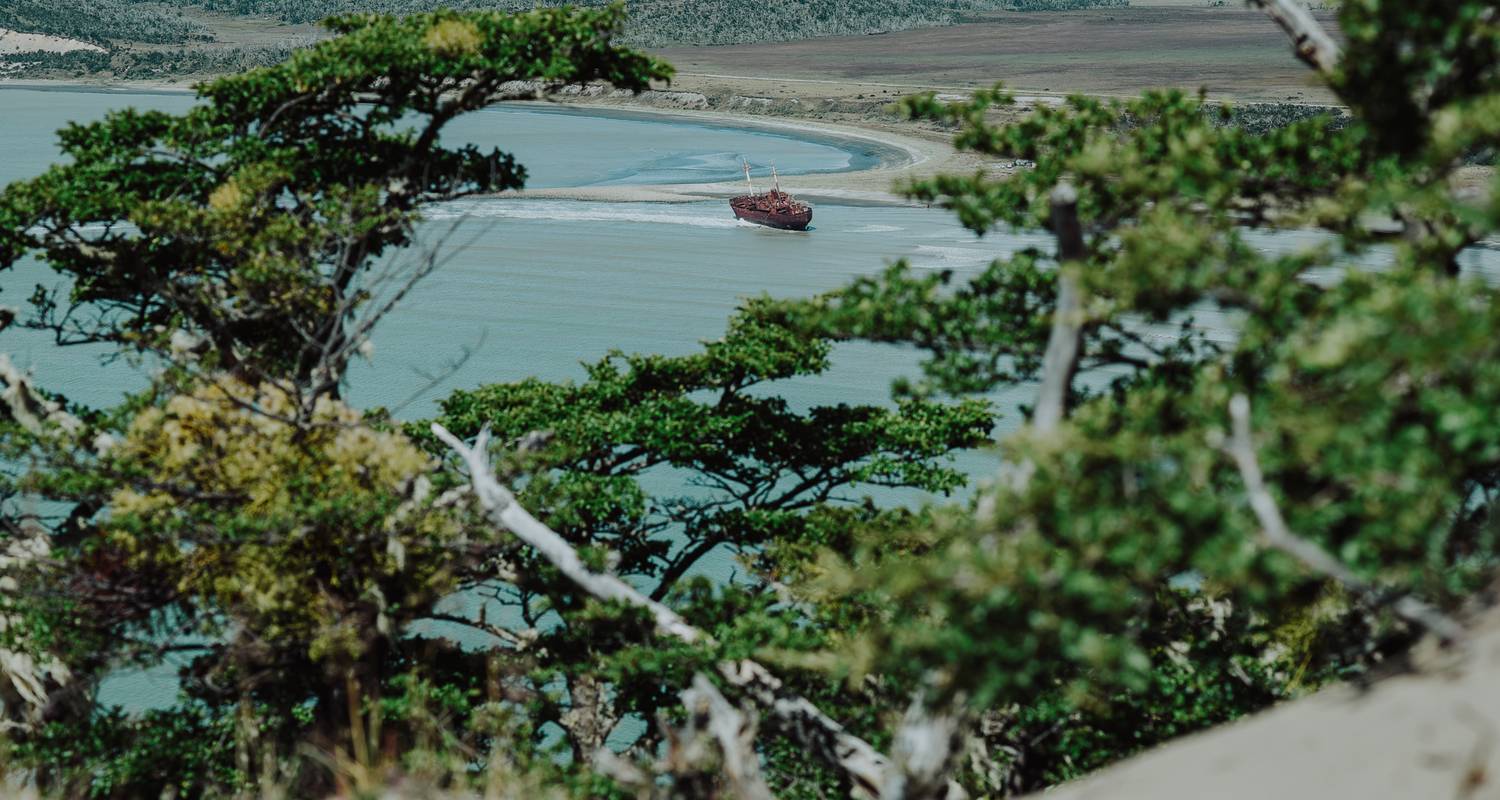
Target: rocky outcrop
[(519, 90), (1433, 733)]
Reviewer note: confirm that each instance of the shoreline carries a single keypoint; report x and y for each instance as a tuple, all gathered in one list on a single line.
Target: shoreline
[(96, 87), (899, 155)]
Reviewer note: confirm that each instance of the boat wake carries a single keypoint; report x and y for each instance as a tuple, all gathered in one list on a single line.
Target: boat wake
[(937, 257), (766, 229), (581, 211)]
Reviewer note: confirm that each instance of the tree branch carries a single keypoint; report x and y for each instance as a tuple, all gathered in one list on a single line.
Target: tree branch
[(922, 754), (863, 765), (1312, 43), (1064, 343), (1276, 533), (28, 407), (503, 510), (734, 730), (1060, 362)]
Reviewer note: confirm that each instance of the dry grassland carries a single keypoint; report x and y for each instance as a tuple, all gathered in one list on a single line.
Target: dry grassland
[(1233, 52)]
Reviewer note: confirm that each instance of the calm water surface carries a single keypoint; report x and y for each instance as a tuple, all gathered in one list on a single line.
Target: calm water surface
[(539, 286)]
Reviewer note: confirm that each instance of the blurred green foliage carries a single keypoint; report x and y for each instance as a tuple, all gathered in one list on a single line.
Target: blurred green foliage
[(1368, 387), (351, 622)]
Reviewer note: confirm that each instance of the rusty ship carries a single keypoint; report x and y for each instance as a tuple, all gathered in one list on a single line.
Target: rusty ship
[(774, 209)]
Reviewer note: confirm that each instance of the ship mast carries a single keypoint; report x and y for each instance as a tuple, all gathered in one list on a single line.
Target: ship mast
[(775, 179), (747, 175)]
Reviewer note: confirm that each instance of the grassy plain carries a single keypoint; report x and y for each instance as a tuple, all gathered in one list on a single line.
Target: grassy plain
[(1233, 52)]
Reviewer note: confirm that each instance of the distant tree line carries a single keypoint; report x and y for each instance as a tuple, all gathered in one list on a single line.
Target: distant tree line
[(309, 11), (137, 65), (1266, 117), (660, 23), (101, 21), (1261, 118)]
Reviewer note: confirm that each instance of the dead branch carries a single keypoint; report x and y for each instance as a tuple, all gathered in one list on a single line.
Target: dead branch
[(1312, 44), (504, 511), (922, 754), (36, 413), (734, 730), (864, 766), (623, 771), (518, 640), (1278, 536)]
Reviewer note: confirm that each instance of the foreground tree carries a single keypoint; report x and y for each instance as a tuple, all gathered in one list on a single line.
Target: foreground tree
[(236, 510), (1191, 528)]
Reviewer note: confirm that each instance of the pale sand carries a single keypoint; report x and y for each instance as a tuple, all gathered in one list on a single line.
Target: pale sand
[(17, 42)]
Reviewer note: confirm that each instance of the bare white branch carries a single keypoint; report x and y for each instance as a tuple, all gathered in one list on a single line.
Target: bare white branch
[(865, 767), (504, 511), (734, 730), (622, 771), (36, 413), (1311, 42), (1064, 343), (922, 755), (1278, 536)]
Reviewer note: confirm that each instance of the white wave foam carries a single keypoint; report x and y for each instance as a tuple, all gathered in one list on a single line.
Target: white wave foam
[(878, 229), (938, 257), (578, 211), (739, 223)]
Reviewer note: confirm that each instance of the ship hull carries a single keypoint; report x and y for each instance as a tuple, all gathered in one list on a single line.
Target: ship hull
[(793, 221)]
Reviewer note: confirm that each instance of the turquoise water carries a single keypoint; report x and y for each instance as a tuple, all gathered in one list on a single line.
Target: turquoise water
[(536, 286), (602, 147)]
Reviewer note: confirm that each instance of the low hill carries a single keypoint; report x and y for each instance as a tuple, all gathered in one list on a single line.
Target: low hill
[(654, 23), (102, 21)]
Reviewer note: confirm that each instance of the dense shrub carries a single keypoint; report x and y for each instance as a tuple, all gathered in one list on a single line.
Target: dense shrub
[(659, 23)]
